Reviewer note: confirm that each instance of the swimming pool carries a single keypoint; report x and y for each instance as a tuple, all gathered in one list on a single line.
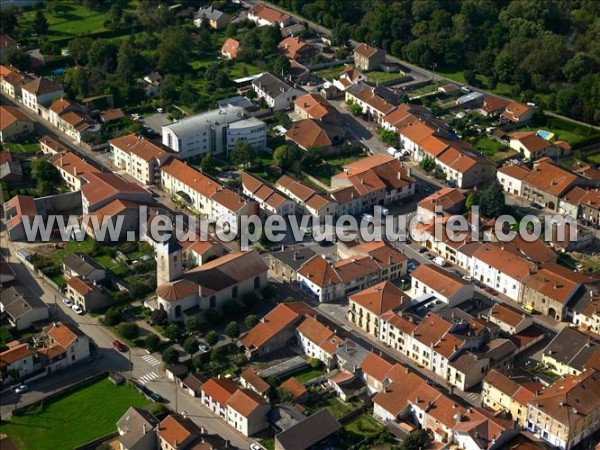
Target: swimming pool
[(545, 134)]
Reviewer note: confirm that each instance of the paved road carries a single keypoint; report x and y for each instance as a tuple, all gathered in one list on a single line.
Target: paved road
[(142, 367)]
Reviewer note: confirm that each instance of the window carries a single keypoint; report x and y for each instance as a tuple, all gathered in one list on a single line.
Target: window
[(234, 292), (213, 301)]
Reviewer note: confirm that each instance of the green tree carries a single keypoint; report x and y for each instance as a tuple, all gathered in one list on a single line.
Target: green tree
[(493, 202), (170, 356), (173, 51), (286, 155), (416, 440), (580, 65), (128, 330), (158, 317), (112, 317), (208, 165), (268, 292), (472, 199), (8, 21), (211, 337), (355, 109), (78, 49), (192, 325), (251, 320), (427, 164), (281, 66), (243, 154), (40, 23), (232, 330), (19, 59), (387, 136), (152, 342), (114, 16), (190, 345), (173, 331)]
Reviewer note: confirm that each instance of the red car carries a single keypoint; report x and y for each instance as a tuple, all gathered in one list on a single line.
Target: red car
[(491, 291), (119, 346)]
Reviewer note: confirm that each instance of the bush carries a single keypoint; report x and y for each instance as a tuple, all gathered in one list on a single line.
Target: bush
[(240, 360), (231, 308), (213, 316), (170, 356), (217, 356), (199, 361), (268, 292), (129, 330), (211, 337), (158, 317), (156, 409), (190, 345), (250, 299), (232, 330), (251, 321), (173, 331), (192, 325), (315, 363), (152, 342), (112, 317)]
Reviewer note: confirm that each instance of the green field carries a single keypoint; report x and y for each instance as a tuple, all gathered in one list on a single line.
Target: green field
[(331, 72), (381, 77), (21, 148), (492, 149), (355, 432), (74, 419), (564, 130)]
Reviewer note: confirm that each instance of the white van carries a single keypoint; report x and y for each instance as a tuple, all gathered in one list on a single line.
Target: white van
[(391, 150), (439, 261)]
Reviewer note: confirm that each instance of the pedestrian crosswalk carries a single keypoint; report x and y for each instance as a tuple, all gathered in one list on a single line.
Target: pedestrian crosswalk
[(472, 397), (144, 379), (152, 360)]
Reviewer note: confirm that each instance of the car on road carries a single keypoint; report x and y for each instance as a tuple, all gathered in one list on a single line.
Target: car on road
[(457, 272), (467, 277), (478, 283), (77, 309), (491, 291), (325, 243), (203, 348), (422, 250), (118, 345), (22, 388), (68, 302), (428, 255), (156, 397), (255, 446)]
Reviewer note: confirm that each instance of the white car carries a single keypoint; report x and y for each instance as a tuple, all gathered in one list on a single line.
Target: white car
[(255, 446), (77, 309), (21, 389), (68, 302), (203, 348), (367, 216)]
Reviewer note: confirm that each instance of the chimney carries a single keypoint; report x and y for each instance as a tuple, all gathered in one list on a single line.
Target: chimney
[(296, 255), (144, 429)]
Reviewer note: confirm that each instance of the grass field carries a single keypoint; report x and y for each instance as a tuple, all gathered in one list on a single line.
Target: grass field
[(21, 148), (564, 130), (331, 72), (492, 149), (74, 419), (378, 76), (364, 427)]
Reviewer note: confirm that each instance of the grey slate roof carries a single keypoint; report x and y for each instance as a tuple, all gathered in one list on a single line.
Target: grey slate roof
[(209, 13), (18, 301), (294, 258), (309, 432), (81, 264), (132, 423), (271, 85), (227, 115), (572, 348)]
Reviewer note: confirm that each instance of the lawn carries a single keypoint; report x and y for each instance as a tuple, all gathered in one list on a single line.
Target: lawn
[(331, 72), (87, 414), (563, 130), (307, 374), (364, 427), (377, 76), (337, 407), (492, 149), (22, 147)]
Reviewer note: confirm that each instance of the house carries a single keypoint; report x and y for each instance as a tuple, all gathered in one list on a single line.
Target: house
[(230, 48), (493, 106), (316, 107), (317, 340), (550, 288), (377, 180), (347, 78), (376, 101), (12, 81), (213, 17), (269, 200), (21, 308), (193, 384), (275, 330), (203, 194), (72, 169), (88, 295), (510, 390), (10, 168), (18, 209), (586, 313), (509, 319), (103, 188), (434, 280), (111, 115), (390, 404), (297, 49), (216, 392), (517, 113), (309, 199), (264, 16), (72, 119), (214, 132), (136, 430), (375, 371), (277, 94), (249, 379), (176, 432), (139, 157), (309, 133), (571, 352), (445, 201), (309, 432), (207, 286), (122, 214), (13, 124), (247, 412), (64, 345), (511, 178), (49, 145), (532, 146), (83, 266), (16, 362), (7, 45), (40, 92), (566, 412), (369, 305), (346, 385), (199, 252), (464, 168), (295, 389), (470, 100), (7, 274), (582, 204), (367, 57), (284, 264)]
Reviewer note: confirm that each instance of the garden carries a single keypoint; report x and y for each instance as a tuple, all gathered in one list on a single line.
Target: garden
[(80, 413)]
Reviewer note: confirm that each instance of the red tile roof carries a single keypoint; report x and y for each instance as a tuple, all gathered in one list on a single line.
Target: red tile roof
[(231, 47), (101, 185), (80, 286), (14, 353), (219, 389), (245, 402), (72, 164), (438, 279), (375, 366), (294, 387), (10, 115), (381, 298)]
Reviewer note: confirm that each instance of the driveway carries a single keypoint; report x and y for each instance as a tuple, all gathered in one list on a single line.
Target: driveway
[(157, 121)]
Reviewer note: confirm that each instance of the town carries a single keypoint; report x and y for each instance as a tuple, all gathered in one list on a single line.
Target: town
[(128, 113)]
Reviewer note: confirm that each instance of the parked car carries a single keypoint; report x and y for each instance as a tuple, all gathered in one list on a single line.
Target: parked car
[(118, 345), (467, 278), (22, 388), (156, 397), (67, 301), (255, 446), (491, 291), (367, 216), (77, 309), (203, 348), (440, 261), (422, 249)]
